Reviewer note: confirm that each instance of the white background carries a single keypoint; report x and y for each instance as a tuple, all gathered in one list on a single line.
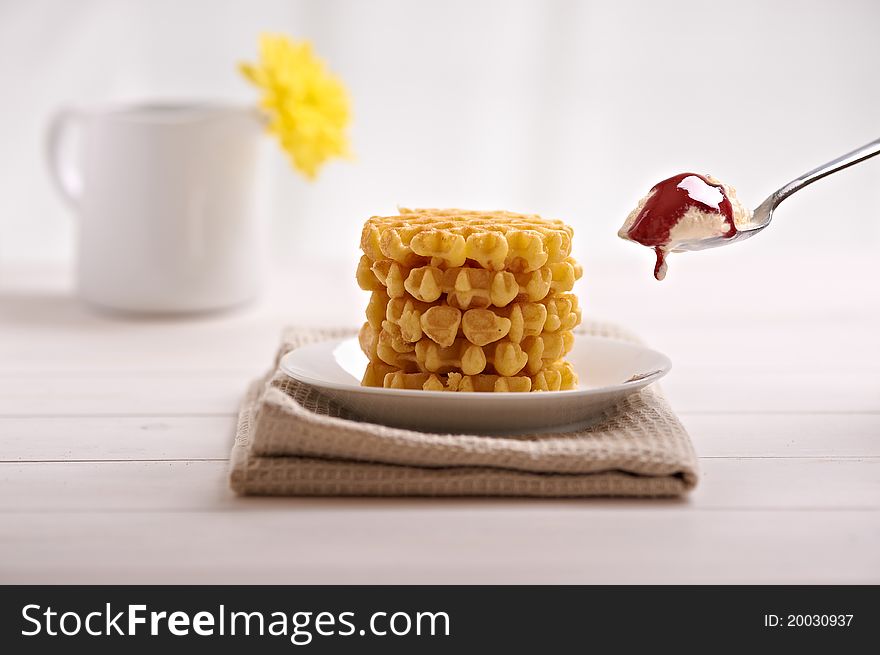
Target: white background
[(569, 109)]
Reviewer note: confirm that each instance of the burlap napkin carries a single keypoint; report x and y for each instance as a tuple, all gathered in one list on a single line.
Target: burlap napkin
[(293, 441)]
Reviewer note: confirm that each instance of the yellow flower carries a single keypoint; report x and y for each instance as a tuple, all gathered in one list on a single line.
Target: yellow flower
[(308, 106)]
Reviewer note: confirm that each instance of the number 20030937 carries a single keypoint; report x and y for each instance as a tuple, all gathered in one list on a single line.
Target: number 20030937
[(808, 620)]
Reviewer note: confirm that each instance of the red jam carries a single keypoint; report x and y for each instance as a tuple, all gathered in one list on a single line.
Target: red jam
[(669, 201)]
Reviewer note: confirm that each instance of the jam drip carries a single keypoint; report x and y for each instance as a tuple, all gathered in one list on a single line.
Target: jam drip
[(660, 266), (668, 202)]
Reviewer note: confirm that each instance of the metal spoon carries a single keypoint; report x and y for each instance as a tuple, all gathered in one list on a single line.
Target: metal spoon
[(762, 216)]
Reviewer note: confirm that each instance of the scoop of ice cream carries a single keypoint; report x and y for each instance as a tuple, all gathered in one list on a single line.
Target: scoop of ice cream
[(681, 211)]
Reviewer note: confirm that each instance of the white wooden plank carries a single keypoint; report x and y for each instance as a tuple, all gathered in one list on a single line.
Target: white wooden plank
[(247, 343), (772, 389), (789, 483), (116, 438), (784, 435), (208, 437), (201, 485), (123, 394), (114, 486), (385, 542), (120, 345), (729, 287), (44, 328), (698, 389)]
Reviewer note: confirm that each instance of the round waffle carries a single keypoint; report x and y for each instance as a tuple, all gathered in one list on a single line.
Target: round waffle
[(495, 240)]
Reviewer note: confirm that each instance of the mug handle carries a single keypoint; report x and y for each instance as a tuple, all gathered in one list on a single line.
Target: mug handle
[(66, 178)]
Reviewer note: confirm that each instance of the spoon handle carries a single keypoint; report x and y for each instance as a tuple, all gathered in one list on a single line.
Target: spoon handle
[(844, 161)]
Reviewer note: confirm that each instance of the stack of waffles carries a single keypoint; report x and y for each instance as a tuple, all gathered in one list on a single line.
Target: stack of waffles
[(468, 301)]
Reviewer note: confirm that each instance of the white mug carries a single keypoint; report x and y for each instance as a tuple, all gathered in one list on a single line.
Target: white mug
[(166, 196)]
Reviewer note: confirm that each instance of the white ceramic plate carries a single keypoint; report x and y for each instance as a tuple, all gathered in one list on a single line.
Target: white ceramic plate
[(609, 371)]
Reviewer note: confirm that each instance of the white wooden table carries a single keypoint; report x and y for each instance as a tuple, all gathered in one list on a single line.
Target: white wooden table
[(114, 434)]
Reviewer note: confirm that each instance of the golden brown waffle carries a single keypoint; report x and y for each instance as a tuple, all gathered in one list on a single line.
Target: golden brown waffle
[(443, 323), (559, 376), (465, 286), (503, 357), (375, 374), (448, 238)]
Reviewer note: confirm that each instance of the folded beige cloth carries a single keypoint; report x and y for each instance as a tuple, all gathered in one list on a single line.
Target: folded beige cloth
[(292, 440)]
